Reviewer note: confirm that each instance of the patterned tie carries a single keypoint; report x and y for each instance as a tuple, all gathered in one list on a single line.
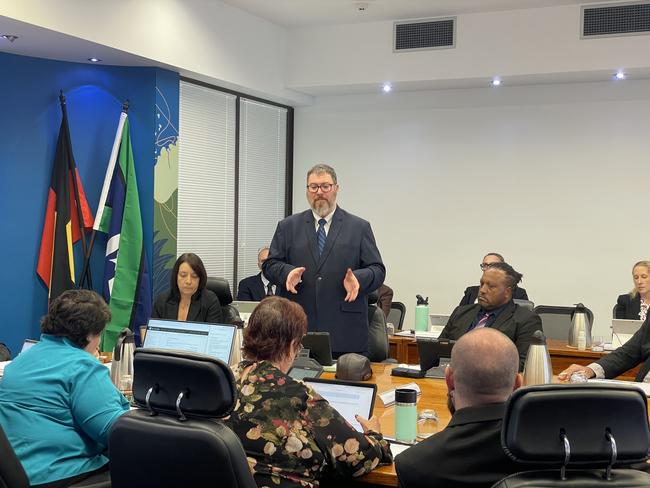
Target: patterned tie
[(320, 235), (269, 289), (481, 323)]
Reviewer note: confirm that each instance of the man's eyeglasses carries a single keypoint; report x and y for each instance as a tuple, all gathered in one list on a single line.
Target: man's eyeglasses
[(485, 266), (324, 187)]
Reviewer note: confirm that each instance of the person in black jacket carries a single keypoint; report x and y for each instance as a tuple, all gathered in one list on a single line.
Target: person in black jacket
[(634, 305), (255, 288), (188, 299), (468, 453), (470, 296)]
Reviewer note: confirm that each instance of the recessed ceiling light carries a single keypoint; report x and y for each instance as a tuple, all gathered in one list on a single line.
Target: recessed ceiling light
[(9, 37), (94, 60), (387, 87), (496, 82), (620, 75)]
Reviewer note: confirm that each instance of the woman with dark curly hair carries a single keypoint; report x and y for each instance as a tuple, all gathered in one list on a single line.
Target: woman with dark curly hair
[(188, 299), (291, 435), (57, 402)]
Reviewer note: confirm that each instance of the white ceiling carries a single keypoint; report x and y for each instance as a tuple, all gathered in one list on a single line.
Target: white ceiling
[(297, 13)]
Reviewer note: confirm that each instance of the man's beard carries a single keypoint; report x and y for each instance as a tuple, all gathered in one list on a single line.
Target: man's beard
[(321, 207), (450, 403)]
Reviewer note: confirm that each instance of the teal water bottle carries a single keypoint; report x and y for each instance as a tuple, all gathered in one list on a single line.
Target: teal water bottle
[(422, 313), (406, 420)]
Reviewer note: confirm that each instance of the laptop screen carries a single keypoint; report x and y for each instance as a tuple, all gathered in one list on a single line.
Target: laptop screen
[(27, 344), (212, 339), (347, 398)]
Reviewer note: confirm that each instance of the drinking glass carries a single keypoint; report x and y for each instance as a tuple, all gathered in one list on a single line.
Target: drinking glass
[(427, 423), (597, 343)]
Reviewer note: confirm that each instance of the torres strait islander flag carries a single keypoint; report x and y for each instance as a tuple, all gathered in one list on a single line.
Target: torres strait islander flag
[(126, 284), (65, 201)]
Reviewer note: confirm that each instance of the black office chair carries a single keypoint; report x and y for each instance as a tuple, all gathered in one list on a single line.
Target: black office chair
[(524, 303), (174, 439), (378, 348), (397, 314), (556, 320), (576, 434), (221, 288)]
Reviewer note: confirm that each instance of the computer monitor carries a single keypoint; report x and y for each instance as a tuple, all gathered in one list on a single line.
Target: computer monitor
[(319, 347), (347, 397), (435, 355), (215, 340)]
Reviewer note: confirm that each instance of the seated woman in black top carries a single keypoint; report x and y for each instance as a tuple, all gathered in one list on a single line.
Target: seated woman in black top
[(634, 305), (188, 299)]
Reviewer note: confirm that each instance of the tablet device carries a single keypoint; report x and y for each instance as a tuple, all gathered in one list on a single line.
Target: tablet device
[(349, 398), (319, 347), (215, 340), (435, 355), (305, 367), (27, 344)]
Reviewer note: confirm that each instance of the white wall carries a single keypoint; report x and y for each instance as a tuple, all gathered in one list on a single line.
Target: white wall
[(554, 177)]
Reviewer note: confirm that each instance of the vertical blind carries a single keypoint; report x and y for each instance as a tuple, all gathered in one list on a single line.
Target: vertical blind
[(262, 179), (206, 177)]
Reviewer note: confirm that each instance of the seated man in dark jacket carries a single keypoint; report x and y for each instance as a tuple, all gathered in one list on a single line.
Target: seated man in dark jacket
[(496, 309), (256, 287), (471, 292), (468, 453)]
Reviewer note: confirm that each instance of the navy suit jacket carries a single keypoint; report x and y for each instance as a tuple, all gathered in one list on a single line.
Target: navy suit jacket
[(251, 289), (350, 244)]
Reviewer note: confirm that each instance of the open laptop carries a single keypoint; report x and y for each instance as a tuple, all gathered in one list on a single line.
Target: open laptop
[(319, 347), (623, 330), (215, 340), (435, 355), (349, 398), (244, 307), (27, 344)]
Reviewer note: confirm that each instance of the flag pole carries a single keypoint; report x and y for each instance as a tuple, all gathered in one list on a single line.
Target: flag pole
[(86, 269)]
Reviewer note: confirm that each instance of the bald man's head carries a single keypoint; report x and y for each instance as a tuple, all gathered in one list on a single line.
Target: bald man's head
[(484, 368)]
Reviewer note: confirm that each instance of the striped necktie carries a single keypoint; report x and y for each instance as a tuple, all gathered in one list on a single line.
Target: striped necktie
[(481, 323), (269, 289), (320, 235)]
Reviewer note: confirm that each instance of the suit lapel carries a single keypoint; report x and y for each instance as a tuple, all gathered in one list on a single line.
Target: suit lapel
[(504, 316), (332, 235), (310, 229), (195, 308)]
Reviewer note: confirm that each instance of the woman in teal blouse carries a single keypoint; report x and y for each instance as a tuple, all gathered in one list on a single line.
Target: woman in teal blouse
[(57, 402)]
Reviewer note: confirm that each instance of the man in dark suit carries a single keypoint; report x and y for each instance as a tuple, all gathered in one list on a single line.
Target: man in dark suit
[(496, 309), (256, 287), (326, 260), (471, 292), (468, 453)]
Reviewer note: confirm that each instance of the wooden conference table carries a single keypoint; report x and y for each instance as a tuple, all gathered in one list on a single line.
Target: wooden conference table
[(405, 350)]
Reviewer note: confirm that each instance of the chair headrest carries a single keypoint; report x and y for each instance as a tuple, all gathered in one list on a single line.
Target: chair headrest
[(536, 417), (373, 297), (221, 288), (207, 384)]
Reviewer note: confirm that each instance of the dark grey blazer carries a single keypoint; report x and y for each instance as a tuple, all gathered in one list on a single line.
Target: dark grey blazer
[(633, 352), (627, 307), (518, 323), (251, 289)]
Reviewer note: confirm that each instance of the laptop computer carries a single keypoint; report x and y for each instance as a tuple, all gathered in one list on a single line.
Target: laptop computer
[(349, 398), (438, 319), (215, 340), (435, 355), (27, 344), (244, 307), (623, 330), (305, 367), (319, 347)]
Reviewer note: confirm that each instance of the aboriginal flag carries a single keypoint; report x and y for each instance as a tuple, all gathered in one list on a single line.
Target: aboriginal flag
[(66, 205)]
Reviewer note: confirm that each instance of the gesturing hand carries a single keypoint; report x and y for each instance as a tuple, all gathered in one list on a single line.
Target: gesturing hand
[(351, 285), (293, 278)]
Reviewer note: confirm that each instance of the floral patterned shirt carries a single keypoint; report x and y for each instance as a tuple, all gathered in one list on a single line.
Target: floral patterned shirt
[(292, 436)]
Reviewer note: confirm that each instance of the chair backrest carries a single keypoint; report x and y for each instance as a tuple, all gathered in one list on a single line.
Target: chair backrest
[(221, 288), (524, 303), (12, 474), (556, 320), (378, 348), (581, 426), (173, 440), (397, 314)]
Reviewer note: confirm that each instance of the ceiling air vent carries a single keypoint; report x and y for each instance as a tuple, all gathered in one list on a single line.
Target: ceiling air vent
[(413, 35), (619, 19)]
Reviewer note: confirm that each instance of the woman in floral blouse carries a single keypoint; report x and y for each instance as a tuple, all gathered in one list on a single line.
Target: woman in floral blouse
[(291, 435)]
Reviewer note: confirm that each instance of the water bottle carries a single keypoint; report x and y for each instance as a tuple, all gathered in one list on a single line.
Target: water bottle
[(538, 369), (582, 340), (406, 417), (422, 313)]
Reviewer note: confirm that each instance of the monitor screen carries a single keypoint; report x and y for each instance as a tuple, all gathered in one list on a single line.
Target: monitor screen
[(347, 398), (212, 339)]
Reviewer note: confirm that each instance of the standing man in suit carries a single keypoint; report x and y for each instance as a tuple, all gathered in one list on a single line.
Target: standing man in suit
[(256, 287), (326, 259), (496, 309), (468, 453), (471, 292)]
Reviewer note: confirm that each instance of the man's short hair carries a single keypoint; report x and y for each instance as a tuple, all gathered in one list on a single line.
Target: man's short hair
[(323, 168), (485, 363), (495, 254), (512, 277)]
